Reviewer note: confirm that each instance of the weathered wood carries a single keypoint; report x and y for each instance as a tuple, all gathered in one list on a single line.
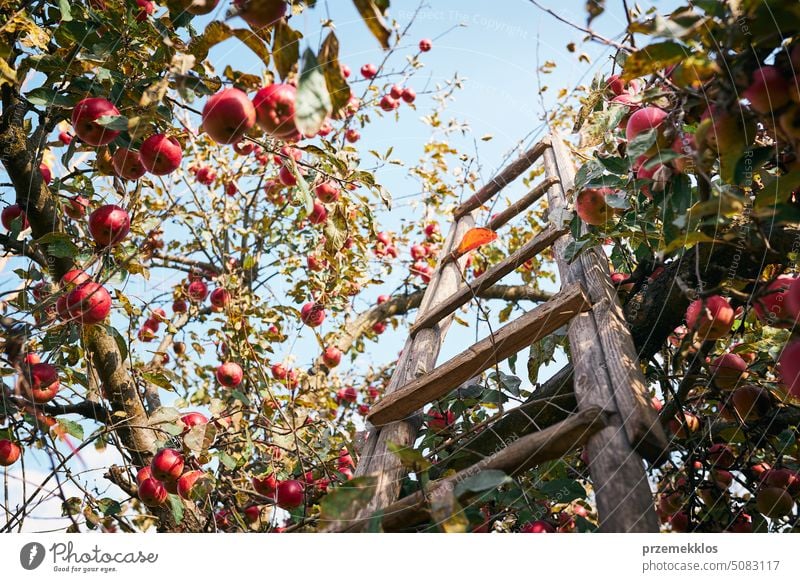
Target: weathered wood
[(507, 341), (622, 491), (516, 457), (467, 292), (506, 175), (418, 356), (502, 218), (630, 388)]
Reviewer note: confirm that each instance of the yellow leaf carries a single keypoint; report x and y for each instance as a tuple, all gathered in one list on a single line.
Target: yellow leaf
[(475, 238)]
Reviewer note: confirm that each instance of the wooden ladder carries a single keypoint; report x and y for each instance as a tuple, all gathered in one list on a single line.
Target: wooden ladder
[(615, 419)]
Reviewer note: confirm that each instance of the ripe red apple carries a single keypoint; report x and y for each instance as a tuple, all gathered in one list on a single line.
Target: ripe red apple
[(197, 291), (230, 374), (192, 419), (84, 120), (751, 402), (319, 214), (327, 192), (265, 485), (345, 71), (312, 314), (109, 225), (686, 148), (784, 478), (388, 103), (198, 7), (379, 327), (538, 526), (228, 115), (679, 521), (431, 230), (180, 306), (47, 174), (332, 356), (408, 95), (347, 394), (128, 164), (152, 492), (440, 421), (43, 383), (11, 213), (186, 483), (161, 154), (590, 204), (382, 299), (260, 13), (352, 135), (167, 465), (76, 207), (205, 175), (768, 91), (289, 494), (774, 502), (179, 348), (89, 303), (275, 106), (9, 452), (684, 423), (369, 71), (220, 298), (644, 119), (279, 371), (789, 367), (721, 456), (425, 45), (711, 317), (74, 277), (65, 138), (144, 473), (727, 370), (616, 84), (771, 305)]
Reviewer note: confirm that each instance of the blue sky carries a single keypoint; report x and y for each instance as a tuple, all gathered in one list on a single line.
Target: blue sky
[(495, 51)]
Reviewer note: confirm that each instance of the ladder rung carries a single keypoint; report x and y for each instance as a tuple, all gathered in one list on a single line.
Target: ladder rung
[(514, 209), (533, 449), (507, 341), (506, 175), (465, 293)]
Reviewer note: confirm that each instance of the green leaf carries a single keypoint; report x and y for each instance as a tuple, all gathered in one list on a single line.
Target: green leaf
[(109, 506), (176, 505), (45, 97), (72, 428), (483, 481), (122, 345), (615, 165), (338, 89), (411, 458), (654, 57), (640, 144), (346, 499), (591, 170), (159, 379), (66, 13), (313, 103), (541, 353), (562, 490), (285, 48), (115, 122), (373, 12), (59, 244), (216, 32)]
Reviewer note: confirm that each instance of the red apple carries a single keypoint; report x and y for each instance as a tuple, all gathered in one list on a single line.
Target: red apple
[(9, 452), (327, 192), (438, 421), (379, 327), (187, 481), (47, 174), (312, 314), (345, 71), (286, 176), (346, 395), (382, 299), (319, 214), (774, 502), (711, 317), (180, 306), (65, 138), (144, 473), (332, 356), (230, 374), (425, 45), (751, 402), (771, 305), (369, 71), (408, 95), (431, 230), (220, 298), (206, 175), (388, 103), (768, 91), (275, 106), (538, 526), (11, 213), (74, 277), (197, 291), (89, 303), (84, 120), (265, 485), (167, 465), (789, 367), (352, 135), (590, 204), (727, 370), (643, 120), (192, 419), (279, 371), (152, 492), (260, 13), (161, 154), (109, 225), (720, 456), (43, 383), (289, 494), (128, 164), (228, 115)]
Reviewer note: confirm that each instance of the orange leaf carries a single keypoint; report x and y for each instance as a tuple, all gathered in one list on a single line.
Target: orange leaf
[(474, 238)]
